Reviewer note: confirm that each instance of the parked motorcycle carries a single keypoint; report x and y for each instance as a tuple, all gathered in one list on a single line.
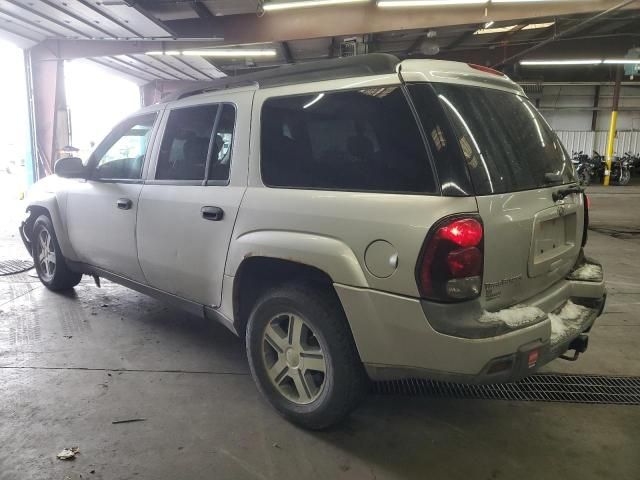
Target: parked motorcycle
[(584, 167), (620, 168)]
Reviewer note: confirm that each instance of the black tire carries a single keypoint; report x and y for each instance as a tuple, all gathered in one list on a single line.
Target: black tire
[(345, 380), (60, 277)]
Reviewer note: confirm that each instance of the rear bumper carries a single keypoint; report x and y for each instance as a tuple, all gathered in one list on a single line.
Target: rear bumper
[(396, 340)]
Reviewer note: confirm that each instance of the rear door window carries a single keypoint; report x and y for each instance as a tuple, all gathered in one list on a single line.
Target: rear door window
[(358, 140), (188, 143), (504, 141)]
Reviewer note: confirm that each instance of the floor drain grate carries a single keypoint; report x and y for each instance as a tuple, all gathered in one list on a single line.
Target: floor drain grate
[(9, 267), (544, 387)]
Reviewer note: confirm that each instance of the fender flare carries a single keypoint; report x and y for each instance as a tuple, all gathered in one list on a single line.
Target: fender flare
[(49, 203), (327, 254)]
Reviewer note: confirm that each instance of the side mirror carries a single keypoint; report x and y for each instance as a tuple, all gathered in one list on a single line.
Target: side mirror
[(70, 167)]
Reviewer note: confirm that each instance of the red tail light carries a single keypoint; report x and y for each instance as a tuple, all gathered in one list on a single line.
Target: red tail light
[(588, 201), (451, 264)]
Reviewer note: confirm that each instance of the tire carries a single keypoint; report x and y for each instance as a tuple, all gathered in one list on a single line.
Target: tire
[(50, 264), (323, 331), (625, 176)]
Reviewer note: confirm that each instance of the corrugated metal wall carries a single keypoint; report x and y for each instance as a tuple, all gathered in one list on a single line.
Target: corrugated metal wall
[(590, 141)]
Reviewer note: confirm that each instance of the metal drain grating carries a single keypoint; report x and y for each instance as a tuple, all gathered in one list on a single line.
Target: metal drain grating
[(544, 387), (9, 267)]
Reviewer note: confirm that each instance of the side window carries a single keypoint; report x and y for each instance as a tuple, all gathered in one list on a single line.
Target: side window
[(121, 156), (188, 142), (358, 140)]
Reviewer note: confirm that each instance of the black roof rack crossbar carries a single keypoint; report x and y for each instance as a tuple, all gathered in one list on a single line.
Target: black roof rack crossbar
[(371, 64)]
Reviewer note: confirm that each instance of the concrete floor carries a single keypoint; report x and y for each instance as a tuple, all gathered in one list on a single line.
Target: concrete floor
[(70, 365)]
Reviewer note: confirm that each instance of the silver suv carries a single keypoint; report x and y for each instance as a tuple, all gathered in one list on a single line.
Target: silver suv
[(351, 219)]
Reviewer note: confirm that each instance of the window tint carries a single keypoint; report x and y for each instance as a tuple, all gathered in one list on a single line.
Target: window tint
[(188, 139), (504, 141), (121, 156), (365, 140)]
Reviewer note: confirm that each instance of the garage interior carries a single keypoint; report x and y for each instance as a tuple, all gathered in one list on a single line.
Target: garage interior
[(147, 391)]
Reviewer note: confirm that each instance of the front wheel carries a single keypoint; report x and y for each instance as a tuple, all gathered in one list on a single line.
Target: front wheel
[(302, 355), (625, 176), (47, 257)]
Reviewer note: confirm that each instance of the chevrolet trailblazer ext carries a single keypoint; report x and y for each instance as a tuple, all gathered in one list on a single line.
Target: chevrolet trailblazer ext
[(350, 219)]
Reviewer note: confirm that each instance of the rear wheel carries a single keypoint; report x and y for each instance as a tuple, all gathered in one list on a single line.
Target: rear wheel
[(302, 356), (47, 257)]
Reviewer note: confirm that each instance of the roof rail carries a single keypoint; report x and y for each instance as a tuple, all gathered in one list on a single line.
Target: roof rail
[(370, 64)]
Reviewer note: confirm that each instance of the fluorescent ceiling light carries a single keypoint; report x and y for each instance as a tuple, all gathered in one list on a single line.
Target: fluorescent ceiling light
[(521, 1), (531, 26), (488, 24), (271, 6), (534, 26), (484, 31), (231, 52), (622, 61), (166, 52), (560, 62), (428, 3)]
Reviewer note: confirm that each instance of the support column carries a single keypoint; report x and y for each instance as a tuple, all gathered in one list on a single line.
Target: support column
[(49, 121), (612, 127)]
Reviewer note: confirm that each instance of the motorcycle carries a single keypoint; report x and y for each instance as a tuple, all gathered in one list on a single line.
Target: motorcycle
[(620, 168), (584, 168)]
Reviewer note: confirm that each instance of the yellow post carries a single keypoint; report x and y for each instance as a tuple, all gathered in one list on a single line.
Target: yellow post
[(612, 128), (610, 142)]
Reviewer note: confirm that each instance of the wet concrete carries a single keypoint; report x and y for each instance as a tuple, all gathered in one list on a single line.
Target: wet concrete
[(70, 365)]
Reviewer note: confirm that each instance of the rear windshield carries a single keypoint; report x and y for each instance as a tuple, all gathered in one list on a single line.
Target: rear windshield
[(504, 141)]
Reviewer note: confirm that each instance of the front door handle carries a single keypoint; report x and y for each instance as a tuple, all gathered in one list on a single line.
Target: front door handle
[(212, 213), (124, 203)]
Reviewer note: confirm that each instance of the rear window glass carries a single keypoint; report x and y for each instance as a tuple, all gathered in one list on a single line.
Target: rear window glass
[(505, 142), (363, 140)]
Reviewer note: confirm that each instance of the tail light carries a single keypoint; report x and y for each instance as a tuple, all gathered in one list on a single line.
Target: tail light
[(585, 230), (451, 262)]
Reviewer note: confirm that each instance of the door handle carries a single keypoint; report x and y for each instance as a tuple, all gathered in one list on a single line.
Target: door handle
[(212, 213), (124, 203)]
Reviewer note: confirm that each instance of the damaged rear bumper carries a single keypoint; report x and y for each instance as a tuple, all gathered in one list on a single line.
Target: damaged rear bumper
[(395, 336)]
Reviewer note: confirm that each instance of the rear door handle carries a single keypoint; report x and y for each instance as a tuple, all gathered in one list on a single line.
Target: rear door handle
[(124, 203), (212, 213)]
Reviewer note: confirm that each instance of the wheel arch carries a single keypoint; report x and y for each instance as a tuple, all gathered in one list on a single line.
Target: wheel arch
[(49, 206)]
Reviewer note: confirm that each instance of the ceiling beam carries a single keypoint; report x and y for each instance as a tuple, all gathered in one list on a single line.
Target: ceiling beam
[(569, 31)]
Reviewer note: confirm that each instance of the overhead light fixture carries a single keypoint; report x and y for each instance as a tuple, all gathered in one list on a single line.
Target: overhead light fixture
[(231, 52), (485, 31), (622, 61), (531, 26), (488, 24), (428, 3), (534, 63), (535, 26), (522, 1), (272, 6)]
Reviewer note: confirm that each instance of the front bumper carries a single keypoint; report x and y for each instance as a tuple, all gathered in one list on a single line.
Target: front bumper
[(395, 339)]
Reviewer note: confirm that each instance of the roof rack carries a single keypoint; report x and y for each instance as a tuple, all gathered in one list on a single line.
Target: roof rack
[(370, 64)]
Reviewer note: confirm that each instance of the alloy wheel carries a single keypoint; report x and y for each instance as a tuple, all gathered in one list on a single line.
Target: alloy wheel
[(46, 255), (293, 358)]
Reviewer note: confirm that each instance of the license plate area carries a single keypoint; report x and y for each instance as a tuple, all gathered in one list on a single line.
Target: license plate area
[(554, 241)]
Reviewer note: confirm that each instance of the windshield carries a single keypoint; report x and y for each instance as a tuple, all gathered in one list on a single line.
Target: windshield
[(504, 141)]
